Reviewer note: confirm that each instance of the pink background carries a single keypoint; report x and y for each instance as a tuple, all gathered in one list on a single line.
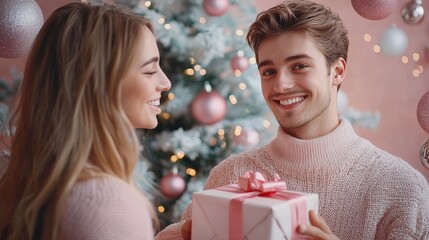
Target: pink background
[(374, 82)]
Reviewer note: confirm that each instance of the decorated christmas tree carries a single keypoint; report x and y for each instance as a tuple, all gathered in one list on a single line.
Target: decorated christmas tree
[(215, 106)]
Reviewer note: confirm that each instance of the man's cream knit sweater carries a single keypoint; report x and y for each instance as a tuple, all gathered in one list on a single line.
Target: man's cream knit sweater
[(364, 192)]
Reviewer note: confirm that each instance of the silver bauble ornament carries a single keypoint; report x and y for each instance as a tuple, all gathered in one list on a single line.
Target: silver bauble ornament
[(413, 12), (424, 154), (20, 21)]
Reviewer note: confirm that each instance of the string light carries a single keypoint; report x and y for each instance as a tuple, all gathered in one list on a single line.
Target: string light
[(189, 71), (171, 96), (147, 4), (377, 49), (203, 20), (212, 141), (203, 72), (367, 37), (161, 209), (191, 172), (165, 115), (221, 132), (239, 32), (242, 86), (420, 68), (237, 130), (416, 73), (252, 60), (266, 124), (404, 59), (174, 158), (161, 20), (237, 73), (167, 26), (232, 99), (197, 67), (416, 57), (180, 154)]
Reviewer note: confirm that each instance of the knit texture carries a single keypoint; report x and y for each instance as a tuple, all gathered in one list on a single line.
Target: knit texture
[(364, 192), (106, 208), (103, 209)]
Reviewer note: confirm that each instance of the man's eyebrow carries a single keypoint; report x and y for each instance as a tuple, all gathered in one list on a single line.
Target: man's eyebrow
[(288, 59)]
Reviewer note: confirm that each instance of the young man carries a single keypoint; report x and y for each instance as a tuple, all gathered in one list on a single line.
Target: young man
[(364, 192)]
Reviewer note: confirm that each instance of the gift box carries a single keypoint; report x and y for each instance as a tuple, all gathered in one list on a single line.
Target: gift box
[(253, 209)]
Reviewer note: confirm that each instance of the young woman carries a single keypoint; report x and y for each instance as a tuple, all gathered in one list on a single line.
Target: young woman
[(92, 77)]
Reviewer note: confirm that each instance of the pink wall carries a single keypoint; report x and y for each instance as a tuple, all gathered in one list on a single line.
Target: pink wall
[(374, 82)]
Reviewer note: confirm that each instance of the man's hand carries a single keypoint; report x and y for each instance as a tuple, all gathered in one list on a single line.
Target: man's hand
[(318, 228), (187, 230)]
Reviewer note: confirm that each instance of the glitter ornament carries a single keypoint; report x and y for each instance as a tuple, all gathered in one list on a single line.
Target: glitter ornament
[(20, 21), (239, 63), (413, 12), (209, 107), (393, 41), (374, 9), (424, 154), (172, 185), (215, 7), (423, 112)]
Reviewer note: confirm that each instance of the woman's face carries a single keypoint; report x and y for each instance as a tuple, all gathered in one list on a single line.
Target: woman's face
[(143, 84)]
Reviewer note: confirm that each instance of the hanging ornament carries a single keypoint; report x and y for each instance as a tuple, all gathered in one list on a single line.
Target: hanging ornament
[(215, 7), (423, 112), (20, 21), (172, 185), (393, 41), (247, 138), (374, 9), (239, 62), (342, 101), (424, 154), (208, 107), (413, 12)]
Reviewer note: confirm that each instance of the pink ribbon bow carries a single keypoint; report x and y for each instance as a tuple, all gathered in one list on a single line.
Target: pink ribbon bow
[(255, 181)]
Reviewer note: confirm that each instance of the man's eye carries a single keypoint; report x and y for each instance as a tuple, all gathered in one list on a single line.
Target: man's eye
[(267, 72), (300, 66)]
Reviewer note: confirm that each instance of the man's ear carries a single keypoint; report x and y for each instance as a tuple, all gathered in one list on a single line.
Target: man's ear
[(339, 68)]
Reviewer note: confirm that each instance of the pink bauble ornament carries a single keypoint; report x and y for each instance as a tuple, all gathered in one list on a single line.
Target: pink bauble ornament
[(248, 138), (20, 21), (374, 9), (209, 107), (172, 185), (215, 7), (423, 112), (239, 63)]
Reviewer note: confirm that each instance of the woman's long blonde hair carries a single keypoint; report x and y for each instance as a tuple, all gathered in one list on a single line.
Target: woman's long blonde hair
[(69, 113)]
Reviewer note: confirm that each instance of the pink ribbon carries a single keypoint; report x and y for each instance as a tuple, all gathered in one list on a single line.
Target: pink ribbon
[(253, 184)]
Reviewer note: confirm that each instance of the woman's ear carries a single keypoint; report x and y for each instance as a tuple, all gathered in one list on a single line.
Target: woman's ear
[(339, 70)]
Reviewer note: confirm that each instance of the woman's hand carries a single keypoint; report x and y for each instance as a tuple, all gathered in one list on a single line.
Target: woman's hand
[(318, 228)]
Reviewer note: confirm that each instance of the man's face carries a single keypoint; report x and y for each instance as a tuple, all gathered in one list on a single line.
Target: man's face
[(297, 85)]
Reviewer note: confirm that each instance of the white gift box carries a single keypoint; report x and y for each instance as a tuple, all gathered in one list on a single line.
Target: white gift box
[(263, 217)]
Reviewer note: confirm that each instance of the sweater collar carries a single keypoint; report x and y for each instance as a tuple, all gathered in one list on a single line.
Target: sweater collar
[(329, 150)]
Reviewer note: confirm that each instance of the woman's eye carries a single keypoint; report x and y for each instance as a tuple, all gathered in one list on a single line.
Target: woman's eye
[(150, 73)]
